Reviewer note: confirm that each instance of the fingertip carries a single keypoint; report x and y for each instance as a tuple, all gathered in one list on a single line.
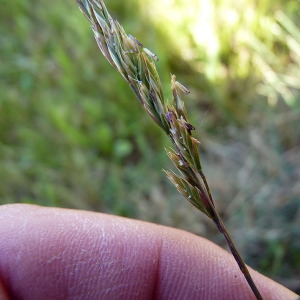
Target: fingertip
[(62, 251)]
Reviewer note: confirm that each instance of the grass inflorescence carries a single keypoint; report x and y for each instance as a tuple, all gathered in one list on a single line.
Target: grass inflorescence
[(136, 64)]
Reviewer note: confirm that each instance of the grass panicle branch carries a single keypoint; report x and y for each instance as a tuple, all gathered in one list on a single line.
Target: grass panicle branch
[(136, 64)]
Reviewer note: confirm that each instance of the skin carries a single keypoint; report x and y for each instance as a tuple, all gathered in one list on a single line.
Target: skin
[(53, 253)]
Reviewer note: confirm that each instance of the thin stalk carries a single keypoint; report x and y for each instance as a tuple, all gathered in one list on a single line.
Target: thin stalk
[(221, 227)]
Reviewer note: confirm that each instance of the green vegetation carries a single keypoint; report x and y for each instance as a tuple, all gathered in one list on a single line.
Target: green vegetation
[(72, 133)]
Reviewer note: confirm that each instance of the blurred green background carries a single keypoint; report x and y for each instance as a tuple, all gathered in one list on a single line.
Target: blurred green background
[(73, 135)]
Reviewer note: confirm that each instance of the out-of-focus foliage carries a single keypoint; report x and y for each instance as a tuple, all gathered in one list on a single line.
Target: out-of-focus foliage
[(68, 125), (72, 133)]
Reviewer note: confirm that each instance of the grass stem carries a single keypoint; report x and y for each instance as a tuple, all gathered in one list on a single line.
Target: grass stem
[(221, 227)]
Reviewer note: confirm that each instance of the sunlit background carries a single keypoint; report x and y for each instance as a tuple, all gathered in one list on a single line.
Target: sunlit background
[(73, 135)]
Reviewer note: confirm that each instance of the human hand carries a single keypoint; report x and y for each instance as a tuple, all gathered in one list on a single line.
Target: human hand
[(53, 253)]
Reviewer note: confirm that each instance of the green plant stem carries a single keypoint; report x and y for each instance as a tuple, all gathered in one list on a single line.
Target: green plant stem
[(221, 227)]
